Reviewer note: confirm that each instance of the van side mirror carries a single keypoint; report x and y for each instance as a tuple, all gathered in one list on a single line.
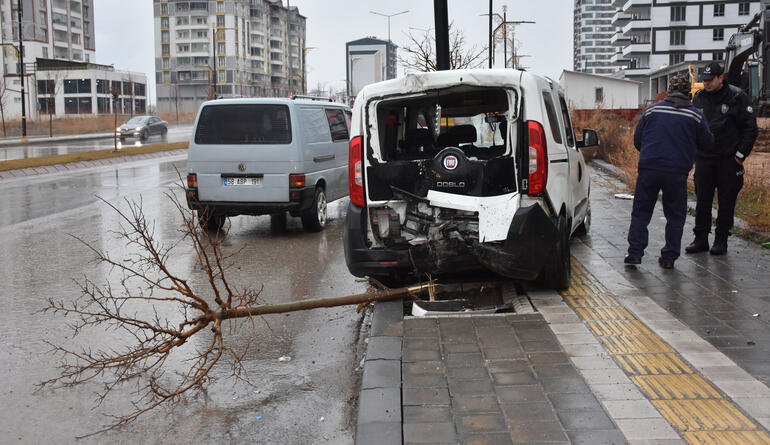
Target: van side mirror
[(590, 139)]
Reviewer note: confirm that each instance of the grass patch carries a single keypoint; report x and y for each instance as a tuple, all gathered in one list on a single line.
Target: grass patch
[(89, 156)]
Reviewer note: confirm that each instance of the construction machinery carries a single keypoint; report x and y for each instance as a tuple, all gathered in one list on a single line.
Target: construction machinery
[(746, 57)]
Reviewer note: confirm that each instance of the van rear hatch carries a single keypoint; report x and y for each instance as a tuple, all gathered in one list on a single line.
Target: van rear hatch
[(243, 153)]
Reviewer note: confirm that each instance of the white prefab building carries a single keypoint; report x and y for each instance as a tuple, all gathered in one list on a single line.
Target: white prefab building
[(70, 88), (369, 60), (586, 91)]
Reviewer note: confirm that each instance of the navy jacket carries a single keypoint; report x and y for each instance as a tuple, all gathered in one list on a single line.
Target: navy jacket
[(732, 121), (669, 133)]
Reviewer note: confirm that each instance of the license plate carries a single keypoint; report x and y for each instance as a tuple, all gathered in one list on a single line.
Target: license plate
[(242, 181)]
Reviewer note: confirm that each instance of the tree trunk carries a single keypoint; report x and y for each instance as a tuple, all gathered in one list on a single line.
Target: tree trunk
[(368, 297), (2, 114)]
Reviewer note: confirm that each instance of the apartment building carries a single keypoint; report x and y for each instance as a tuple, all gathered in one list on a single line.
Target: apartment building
[(227, 48), (369, 60), (592, 31), (655, 34)]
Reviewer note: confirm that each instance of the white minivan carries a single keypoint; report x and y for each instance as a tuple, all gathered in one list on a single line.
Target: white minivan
[(262, 156), (461, 170)]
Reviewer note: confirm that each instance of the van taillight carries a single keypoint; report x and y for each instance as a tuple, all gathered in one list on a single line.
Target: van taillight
[(355, 172), (192, 180), (296, 180), (538, 158)]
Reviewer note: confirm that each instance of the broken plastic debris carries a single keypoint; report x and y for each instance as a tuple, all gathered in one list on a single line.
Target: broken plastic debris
[(755, 315), (623, 196), (259, 417), (284, 358), (766, 245), (321, 419)]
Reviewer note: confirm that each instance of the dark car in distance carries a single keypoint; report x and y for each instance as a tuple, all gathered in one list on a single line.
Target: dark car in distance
[(142, 127)]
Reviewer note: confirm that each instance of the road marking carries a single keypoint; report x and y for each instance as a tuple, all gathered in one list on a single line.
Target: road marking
[(690, 403)]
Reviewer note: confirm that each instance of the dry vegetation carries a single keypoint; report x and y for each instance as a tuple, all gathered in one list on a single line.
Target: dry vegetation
[(617, 148), (83, 125)]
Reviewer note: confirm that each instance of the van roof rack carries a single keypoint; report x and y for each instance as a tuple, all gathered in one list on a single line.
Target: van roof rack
[(301, 96)]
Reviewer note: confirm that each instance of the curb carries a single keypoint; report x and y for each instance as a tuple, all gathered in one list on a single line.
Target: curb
[(379, 400)]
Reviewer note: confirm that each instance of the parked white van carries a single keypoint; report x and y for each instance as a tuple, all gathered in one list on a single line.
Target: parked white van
[(264, 156), (455, 171)]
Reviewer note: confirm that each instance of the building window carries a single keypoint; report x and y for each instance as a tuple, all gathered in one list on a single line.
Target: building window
[(719, 34), (77, 105), (717, 55), (678, 13), (599, 95), (743, 8), (719, 10), (164, 9), (164, 23), (677, 37), (102, 86), (676, 57), (47, 105), (103, 105), (45, 87)]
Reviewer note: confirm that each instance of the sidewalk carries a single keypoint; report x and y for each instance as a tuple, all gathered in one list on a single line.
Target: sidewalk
[(37, 139), (626, 355)]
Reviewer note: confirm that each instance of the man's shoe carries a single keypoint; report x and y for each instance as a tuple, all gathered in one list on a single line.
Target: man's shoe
[(666, 263), (719, 247), (632, 260), (699, 245)]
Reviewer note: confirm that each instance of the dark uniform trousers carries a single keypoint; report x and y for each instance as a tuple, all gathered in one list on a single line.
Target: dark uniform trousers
[(648, 184), (725, 175)]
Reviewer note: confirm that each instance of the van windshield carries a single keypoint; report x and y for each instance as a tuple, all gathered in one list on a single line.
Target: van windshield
[(244, 124)]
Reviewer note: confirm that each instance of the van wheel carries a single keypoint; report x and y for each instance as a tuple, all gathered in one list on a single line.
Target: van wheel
[(213, 222), (314, 218), (584, 226), (278, 222), (556, 271)]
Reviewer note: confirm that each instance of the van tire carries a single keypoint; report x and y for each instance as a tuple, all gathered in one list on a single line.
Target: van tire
[(211, 222), (314, 218), (278, 222), (557, 271)]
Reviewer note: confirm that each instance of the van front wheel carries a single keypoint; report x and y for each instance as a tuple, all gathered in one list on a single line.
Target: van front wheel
[(314, 218)]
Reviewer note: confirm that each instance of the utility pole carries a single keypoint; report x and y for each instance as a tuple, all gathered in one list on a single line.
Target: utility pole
[(441, 20), (21, 75), (388, 16), (504, 26), (214, 57), (490, 34)]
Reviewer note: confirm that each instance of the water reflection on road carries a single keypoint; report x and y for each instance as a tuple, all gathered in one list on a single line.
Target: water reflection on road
[(41, 259)]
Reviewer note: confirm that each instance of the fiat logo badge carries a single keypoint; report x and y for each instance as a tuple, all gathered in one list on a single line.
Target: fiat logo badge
[(450, 162), (242, 167)]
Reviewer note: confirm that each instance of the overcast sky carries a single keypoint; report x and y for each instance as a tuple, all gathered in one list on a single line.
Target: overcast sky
[(125, 35)]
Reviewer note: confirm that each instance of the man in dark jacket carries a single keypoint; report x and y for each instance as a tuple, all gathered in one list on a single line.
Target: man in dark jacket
[(667, 137), (734, 125)]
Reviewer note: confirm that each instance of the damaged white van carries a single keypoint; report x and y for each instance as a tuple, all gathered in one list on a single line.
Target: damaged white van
[(456, 171)]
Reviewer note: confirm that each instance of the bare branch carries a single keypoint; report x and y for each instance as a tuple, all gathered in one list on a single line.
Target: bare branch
[(419, 54)]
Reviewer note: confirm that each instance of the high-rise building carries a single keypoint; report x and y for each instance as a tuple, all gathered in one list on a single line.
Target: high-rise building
[(227, 48), (60, 77), (592, 32), (652, 34), (368, 60)]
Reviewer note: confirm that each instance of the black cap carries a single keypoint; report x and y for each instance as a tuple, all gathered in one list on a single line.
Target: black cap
[(712, 70)]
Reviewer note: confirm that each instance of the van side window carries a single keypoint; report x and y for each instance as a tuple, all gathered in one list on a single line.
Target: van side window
[(553, 120), (567, 123), (337, 124)]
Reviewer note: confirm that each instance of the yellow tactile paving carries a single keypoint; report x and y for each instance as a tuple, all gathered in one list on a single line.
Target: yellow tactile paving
[(652, 364), (728, 437), (689, 402)]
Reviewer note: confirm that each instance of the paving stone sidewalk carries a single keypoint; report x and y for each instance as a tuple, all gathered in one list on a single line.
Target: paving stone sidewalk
[(724, 299)]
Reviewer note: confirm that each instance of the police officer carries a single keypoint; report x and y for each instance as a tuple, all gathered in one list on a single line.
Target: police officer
[(667, 137), (734, 125)]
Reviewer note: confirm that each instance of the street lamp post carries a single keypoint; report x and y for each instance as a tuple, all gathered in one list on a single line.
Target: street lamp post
[(21, 75), (389, 16)]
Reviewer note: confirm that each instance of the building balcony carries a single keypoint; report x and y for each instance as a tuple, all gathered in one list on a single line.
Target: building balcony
[(636, 72), (636, 6), (620, 39), (617, 4), (620, 19), (619, 59), (637, 49), (637, 26)]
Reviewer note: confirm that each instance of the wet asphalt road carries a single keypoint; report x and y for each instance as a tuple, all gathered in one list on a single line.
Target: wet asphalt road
[(302, 401), (175, 134)]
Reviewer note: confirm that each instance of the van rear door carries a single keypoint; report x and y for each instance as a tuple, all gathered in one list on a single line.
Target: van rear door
[(243, 152)]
